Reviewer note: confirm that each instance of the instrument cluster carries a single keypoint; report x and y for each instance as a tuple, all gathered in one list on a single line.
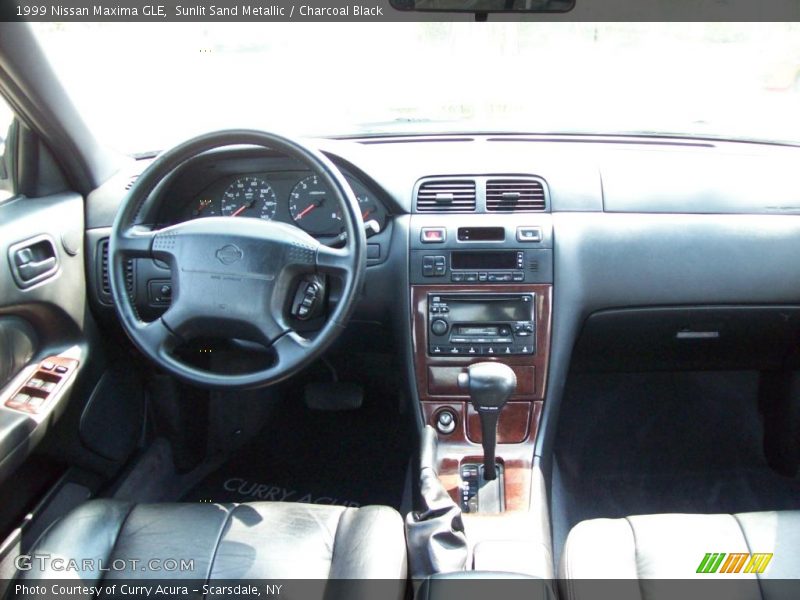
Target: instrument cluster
[(296, 197)]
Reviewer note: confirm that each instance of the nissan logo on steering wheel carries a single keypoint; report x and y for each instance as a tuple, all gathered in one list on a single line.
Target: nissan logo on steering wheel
[(229, 254)]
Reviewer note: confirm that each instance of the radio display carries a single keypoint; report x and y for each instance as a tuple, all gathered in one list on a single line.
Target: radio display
[(464, 259), (472, 311)]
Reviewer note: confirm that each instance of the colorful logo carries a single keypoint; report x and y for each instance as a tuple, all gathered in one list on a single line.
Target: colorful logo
[(736, 562)]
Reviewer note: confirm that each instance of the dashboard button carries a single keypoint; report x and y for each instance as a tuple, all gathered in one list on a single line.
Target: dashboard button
[(35, 402), (427, 266), (529, 234), (433, 235), (19, 399)]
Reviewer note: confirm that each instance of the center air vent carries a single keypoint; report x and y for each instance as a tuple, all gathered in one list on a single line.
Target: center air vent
[(514, 195), (454, 195)]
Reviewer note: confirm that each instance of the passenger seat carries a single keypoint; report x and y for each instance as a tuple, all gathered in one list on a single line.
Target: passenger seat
[(682, 546)]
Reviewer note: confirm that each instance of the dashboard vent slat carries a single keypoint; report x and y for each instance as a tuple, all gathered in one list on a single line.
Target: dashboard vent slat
[(131, 181), (515, 195), (105, 283), (457, 195)]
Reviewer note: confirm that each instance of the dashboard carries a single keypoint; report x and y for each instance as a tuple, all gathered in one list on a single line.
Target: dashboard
[(653, 254), (683, 225)]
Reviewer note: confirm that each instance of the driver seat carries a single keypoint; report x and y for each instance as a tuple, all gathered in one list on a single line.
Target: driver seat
[(260, 540)]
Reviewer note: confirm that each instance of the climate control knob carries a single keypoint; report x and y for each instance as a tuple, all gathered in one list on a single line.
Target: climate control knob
[(439, 326)]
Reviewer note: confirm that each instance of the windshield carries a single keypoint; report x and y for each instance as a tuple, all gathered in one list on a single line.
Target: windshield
[(142, 87)]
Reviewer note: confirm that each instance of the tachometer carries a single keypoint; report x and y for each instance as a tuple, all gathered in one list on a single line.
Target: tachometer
[(314, 208), (249, 197)]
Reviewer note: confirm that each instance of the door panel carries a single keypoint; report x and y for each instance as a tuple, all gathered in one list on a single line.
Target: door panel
[(17, 345), (42, 317)]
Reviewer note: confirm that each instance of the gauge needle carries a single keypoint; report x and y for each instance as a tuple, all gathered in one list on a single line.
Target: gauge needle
[(309, 208), (243, 207), (305, 211), (365, 214)]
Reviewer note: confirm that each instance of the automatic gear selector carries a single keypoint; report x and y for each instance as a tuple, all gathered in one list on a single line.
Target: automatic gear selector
[(490, 385)]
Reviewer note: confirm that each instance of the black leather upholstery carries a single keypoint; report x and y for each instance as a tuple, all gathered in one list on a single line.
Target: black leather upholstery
[(263, 540), (671, 546)]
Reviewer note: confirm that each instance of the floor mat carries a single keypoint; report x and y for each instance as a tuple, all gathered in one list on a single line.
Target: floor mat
[(348, 458), (648, 443)]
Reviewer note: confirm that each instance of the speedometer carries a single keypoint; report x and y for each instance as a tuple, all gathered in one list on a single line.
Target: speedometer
[(249, 197), (314, 209)]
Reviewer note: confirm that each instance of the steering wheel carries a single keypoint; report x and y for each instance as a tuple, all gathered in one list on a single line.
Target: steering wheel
[(235, 278)]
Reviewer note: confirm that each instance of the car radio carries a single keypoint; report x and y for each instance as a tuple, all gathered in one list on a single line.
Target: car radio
[(481, 324)]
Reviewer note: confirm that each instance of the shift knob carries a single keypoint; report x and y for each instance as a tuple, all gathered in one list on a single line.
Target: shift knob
[(490, 385)]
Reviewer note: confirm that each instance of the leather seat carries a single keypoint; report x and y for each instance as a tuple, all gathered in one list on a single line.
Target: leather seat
[(672, 546), (262, 540)]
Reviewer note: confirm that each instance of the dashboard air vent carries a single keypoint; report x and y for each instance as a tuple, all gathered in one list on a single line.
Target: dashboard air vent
[(455, 195), (514, 195), (105, 283)]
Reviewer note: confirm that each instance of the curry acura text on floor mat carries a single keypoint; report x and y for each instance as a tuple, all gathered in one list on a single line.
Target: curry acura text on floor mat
[(348, 458)]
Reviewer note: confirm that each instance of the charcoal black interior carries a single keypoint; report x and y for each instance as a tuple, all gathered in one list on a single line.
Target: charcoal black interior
[(272, 376)]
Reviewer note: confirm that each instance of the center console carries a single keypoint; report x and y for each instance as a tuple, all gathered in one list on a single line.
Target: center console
[(481, 292)]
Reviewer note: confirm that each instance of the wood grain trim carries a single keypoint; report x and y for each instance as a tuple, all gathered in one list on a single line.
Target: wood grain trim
[(456, 449), (42, 384), (422, 362), (517, 428), (512, 427)]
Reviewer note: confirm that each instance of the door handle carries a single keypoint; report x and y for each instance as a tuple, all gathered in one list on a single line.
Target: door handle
[(33, 260), (34, 268)]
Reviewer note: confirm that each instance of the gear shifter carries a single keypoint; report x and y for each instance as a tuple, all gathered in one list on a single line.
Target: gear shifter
[(490, 385)]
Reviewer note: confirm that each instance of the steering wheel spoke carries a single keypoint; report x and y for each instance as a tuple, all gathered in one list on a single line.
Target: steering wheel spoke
[(136, 242), (158, 336), (334, 261), (290, 348)]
